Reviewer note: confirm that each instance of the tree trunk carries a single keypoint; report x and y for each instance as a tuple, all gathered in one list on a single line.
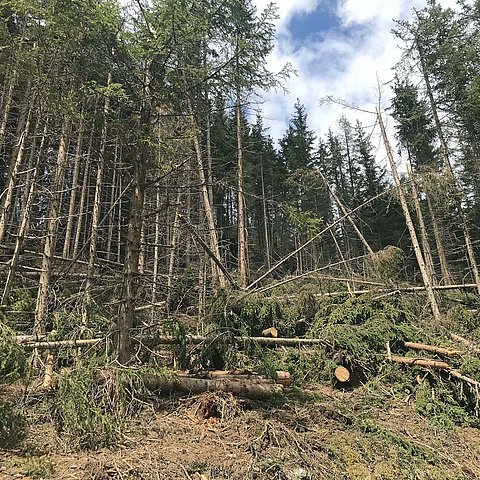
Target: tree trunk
[(421, 225), (241, 220), (53, 218), (218, 276), (427, 280), (73, 191), (97, 203), (25, 219), (444, 149), (17, 160), (446, 277)]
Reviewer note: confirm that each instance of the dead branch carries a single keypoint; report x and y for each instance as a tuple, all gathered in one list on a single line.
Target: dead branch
[(422, 362), (449, 352)]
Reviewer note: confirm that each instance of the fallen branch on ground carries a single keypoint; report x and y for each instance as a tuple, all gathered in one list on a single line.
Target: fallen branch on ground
[(449, 352)]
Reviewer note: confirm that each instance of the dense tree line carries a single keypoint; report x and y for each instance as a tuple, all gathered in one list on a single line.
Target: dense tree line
[(133, 171)]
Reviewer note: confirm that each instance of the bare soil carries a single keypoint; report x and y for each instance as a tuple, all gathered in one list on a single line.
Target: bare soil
[(320, 434)]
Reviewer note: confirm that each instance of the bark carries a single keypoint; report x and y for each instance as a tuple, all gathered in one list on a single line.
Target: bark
[(427, 280), (422, 362), (311, 240), (126, 316), (446, 277), (241, 220), (17, 160), (449, 352), (25, 219), (73, 190), (421, 225), (156, 250), (189, 385), (97, 202), (173, 252), (82, 211), (7, 102), (265, 219), (448, 165), (344, 212), (217, 274), (132, 254), (53, 218)]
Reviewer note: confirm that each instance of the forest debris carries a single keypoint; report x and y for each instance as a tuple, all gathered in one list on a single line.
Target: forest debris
[(171, 340), (270, 332), (471, 345), (426, 362), (62, 343), (342, 374), (48, 378), (449, 352), (190, 385), (422, 362), (284, 378)]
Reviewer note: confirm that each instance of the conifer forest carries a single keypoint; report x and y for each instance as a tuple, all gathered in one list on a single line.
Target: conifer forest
[(184, 296)]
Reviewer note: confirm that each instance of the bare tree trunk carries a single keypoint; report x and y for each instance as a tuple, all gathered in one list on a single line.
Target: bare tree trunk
[(97, 203), (156, 250), (173, 250), (427, 281), (82, 212), (218, 276), (7, 102), (53, 217), (444, 149), (421, 224), (113, 189), (241, 220), (344, 212), (17, 160), (23, 228), (73, 191), (446, 277), (265, 219), (126, 314)]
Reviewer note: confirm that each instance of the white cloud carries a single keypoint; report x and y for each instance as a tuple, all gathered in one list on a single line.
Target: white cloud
[(345, 62)]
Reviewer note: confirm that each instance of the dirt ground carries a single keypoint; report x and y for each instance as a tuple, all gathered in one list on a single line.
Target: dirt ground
[(320, 434)]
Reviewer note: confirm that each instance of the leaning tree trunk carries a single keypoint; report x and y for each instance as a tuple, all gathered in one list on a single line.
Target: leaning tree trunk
[(448, 165), (25, 219), (218, 276), (16, 163), (423, 230), (427, 280)]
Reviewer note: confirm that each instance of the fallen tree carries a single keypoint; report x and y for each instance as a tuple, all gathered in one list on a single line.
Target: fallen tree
[(258, 389)]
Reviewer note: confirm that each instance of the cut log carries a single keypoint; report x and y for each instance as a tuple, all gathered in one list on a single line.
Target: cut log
[(449, 352), (342, 374), (189, 385), (284, 378), (471, 381), (169, 340), (270, 332), (62, 344), (422, 362), (471, 345)]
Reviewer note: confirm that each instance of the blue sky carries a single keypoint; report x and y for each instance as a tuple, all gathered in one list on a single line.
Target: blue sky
[(342, 48)]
